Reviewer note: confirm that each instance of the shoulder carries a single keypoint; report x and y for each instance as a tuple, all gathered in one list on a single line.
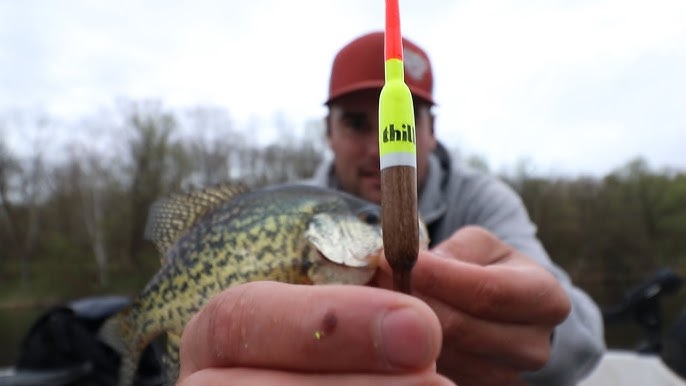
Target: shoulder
[(470, 193), (478, 198), (478, 187), (323, 176), (455, 195), (455, 182)]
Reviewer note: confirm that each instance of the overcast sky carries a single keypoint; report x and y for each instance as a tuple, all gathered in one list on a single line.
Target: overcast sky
[(574, 86)]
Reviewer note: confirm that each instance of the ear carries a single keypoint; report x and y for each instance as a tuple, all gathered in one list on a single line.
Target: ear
[(433, 142), (428, 119), (327, 124), (432, 119)]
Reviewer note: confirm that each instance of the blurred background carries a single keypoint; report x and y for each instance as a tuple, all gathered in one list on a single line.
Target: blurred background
[(104, 107)]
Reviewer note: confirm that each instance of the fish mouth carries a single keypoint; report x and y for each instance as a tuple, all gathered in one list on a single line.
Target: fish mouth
[(346, 249), (344, 239), (325, 270), (351, 259)]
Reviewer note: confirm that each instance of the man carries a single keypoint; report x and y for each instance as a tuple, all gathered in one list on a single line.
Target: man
[(499, 311)]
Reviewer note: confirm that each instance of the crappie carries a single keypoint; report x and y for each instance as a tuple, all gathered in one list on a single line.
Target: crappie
[(223, 236)]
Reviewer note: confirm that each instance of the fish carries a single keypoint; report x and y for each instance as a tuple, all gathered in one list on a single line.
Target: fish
[(221, 236)]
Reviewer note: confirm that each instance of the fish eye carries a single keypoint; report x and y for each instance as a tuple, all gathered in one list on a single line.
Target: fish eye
[(370, 216)]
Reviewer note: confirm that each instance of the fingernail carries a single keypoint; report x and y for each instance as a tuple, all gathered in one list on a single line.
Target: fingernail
[(405, 339)]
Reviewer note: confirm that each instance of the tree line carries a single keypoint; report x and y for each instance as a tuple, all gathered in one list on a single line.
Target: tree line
[(88, 209)]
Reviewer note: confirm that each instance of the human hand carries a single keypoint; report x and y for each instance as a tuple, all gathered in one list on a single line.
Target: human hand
[(268, 333), (497, 307)]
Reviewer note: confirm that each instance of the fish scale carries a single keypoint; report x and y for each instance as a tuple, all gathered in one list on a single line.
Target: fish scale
[(223, 236)]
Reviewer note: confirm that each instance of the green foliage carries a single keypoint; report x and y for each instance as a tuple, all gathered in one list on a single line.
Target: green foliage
[(93, 200), (608, 232)]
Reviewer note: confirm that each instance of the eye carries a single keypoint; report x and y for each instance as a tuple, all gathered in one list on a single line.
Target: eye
[(371, 216), (356, 123)]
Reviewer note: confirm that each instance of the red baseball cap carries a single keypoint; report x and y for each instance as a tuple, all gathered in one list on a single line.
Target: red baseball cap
[(360, 66)]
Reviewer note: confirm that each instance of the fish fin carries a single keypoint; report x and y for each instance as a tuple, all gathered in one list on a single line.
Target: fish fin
[(172, 358), (117, 333), (169, 218)]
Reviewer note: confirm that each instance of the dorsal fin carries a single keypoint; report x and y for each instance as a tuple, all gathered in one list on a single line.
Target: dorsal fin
[(170, 217)]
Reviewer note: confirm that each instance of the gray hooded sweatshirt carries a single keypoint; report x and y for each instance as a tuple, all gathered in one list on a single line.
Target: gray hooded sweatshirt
[(453, 196)]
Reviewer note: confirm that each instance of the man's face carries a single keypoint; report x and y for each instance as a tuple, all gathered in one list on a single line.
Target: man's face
[(353, 135)]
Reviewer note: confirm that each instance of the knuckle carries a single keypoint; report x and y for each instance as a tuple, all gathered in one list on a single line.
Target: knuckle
[(537, 355), (562, 307), (489, 298), (456, 329), (438, 380), (537, 359), (479, 371), (555, 299)]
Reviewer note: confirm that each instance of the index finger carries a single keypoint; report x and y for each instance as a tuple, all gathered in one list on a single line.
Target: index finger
[(501, 293), (476, 272), (311, 328)]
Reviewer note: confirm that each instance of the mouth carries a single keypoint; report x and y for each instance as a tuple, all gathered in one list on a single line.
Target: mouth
[(369, 173)]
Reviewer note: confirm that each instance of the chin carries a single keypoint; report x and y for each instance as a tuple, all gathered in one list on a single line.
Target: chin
[(373, 195)]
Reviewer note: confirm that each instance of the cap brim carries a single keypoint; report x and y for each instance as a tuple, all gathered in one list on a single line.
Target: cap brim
[(374, 85)]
